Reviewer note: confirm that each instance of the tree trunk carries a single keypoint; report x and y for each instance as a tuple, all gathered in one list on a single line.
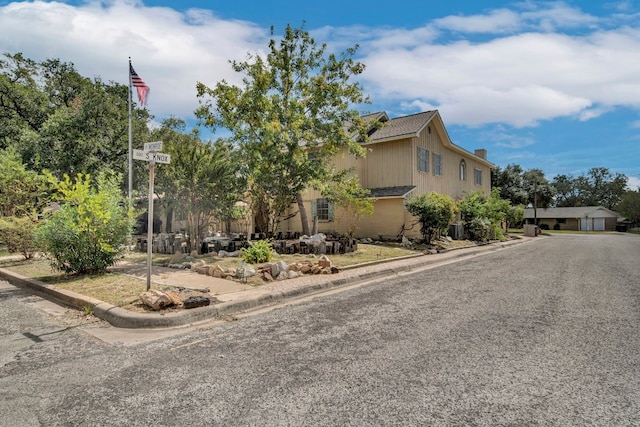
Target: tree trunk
[(303, 215), (169, 219)]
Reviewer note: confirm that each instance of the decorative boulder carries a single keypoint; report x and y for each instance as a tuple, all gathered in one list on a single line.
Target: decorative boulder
[(196, 301), (155, 299), (244, 270), (278, 268), (324, 261)]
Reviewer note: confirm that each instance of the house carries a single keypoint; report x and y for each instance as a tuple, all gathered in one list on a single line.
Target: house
[(585, 218), (407, 156)]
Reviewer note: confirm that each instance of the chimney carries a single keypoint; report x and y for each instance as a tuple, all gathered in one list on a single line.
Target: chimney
[(482, 153)]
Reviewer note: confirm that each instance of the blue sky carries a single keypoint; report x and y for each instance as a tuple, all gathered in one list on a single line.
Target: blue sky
[(549, 85)]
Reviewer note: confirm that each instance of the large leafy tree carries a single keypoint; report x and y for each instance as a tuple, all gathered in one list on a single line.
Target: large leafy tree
[(293, 112), (539, 190), (510, 184), (599, 187), (58, 120), (202, 181), (629, 206)]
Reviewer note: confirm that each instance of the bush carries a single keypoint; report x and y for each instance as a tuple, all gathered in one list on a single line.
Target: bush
[(87, 234), (479, 228), (18, 233), (260, 251), (434, 212)]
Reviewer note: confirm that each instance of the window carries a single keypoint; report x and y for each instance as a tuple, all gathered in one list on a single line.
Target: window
[(437, 164), (323, 209), (477, 176), (423, 159), (463, 170)]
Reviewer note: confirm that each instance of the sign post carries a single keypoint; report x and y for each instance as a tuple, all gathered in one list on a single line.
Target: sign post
[(150, 154)]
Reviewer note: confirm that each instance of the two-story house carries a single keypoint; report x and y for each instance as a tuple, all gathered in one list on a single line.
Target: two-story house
[(407, 156)]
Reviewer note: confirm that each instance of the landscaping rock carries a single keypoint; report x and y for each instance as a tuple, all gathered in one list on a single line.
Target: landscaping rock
[(324, 261), (196, 301), (278, 268), (175, 297), (267, 276), (244, 270), (155, 299)]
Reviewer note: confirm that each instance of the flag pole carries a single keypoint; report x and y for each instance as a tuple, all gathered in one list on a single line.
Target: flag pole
[(130, 136)]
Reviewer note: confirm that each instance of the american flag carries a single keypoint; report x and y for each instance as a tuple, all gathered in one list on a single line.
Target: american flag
[(141, 87)]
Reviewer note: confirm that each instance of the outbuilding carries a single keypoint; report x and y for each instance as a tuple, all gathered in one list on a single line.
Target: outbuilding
[(584, 218)]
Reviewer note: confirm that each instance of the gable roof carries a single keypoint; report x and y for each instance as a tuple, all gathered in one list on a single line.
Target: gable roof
[(382, 192), (403, 127), (572, 212), (411, 126)]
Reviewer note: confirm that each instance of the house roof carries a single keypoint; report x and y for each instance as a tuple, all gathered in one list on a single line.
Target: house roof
[(403, 127), (411, 126), (575, 212), (382, 192)]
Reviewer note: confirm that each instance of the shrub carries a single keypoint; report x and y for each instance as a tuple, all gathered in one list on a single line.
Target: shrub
[(434, 211), (18, 233), (87, 234), (479, 228), (260, 251)]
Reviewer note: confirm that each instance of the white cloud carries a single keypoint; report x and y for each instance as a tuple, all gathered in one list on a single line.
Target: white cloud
[(633, 183), (497, 21), (170, 50), (529, 70)]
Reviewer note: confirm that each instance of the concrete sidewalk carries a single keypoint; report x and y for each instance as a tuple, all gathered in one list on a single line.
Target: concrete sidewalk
[(236, 297)]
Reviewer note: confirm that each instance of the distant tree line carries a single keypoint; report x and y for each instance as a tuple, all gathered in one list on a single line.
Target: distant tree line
[(598, 187)]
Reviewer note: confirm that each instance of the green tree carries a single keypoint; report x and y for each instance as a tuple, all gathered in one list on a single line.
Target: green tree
[(350, 196), (629, 206), (539, 191), (89, 231), (293, 113), (510, 184), (202, 181), (58, 120), (22, 192), (434, 212), (599, 187)]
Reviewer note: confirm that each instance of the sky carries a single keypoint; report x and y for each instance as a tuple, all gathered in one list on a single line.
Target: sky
[(553, 85)]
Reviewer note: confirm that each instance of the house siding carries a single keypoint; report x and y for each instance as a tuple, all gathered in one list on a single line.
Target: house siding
[(394, 163)]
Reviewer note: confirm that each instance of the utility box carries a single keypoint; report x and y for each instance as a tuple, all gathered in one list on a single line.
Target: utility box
[(530, 230), (456, 231)]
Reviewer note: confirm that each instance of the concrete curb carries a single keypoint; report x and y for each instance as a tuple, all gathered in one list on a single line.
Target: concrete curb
[(122, 318)]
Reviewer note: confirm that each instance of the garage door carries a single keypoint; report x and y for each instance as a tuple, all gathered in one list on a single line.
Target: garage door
[(585, 224), (598, 224)]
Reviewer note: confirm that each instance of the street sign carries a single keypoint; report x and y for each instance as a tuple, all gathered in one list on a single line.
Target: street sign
[(150, 155), (153, 146)]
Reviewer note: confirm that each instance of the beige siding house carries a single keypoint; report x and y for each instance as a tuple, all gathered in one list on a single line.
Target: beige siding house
[(408, 156)]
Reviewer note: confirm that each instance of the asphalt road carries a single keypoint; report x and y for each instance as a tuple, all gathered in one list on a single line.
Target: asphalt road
[(541, 334)]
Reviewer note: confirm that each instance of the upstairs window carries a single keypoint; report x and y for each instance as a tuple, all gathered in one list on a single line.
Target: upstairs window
[(423, 159), (477, 176), (463, 170), (437, 164)]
